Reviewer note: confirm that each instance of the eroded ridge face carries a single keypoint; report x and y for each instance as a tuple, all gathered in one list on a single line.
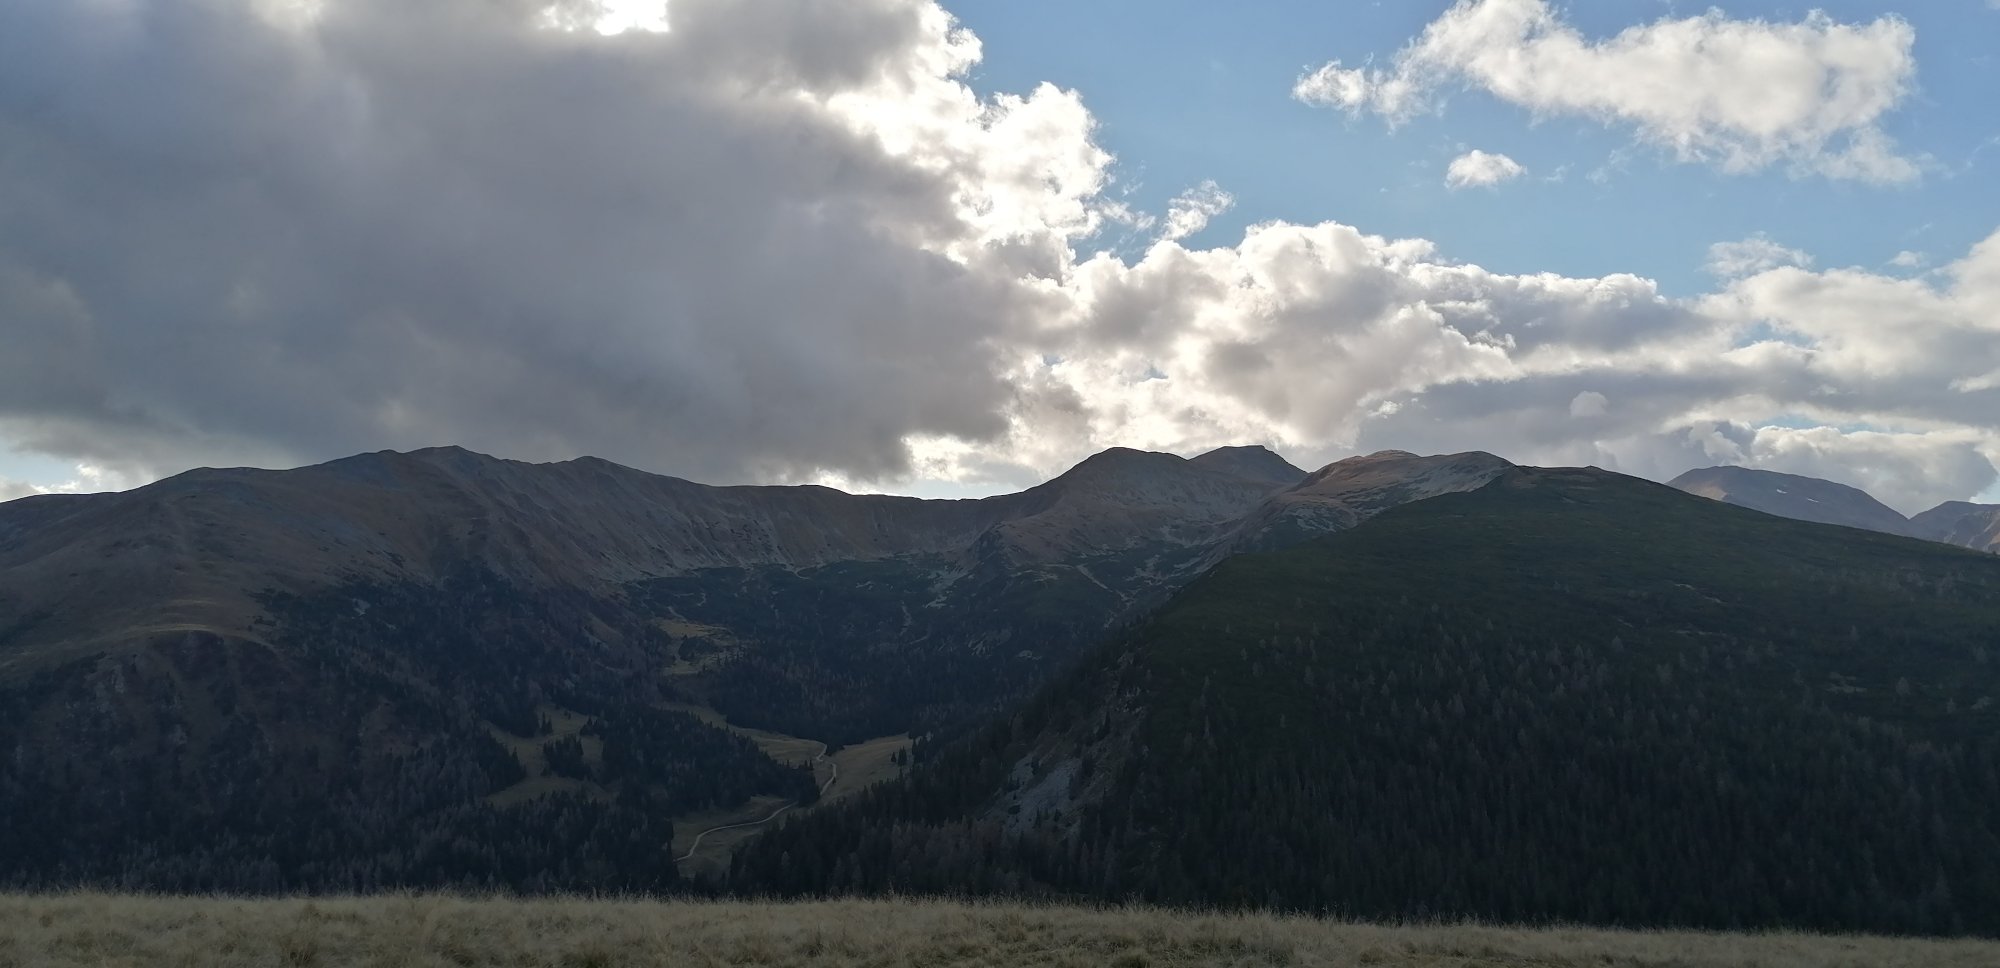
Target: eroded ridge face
[(1975, 526)]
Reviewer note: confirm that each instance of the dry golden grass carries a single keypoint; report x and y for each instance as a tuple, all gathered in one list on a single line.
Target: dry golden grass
[(61, 931)]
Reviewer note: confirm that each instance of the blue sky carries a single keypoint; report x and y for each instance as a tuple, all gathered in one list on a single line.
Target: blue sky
[(1188, 91), (786, 241)]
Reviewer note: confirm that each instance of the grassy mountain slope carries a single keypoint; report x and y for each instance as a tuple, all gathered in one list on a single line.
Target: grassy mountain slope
[(1793, 496), (194, 551), (1568, 695)]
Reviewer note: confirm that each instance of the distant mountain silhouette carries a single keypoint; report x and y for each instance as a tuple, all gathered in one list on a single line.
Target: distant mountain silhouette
[(1792, 496)]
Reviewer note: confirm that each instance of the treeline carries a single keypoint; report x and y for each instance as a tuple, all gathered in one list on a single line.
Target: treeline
[(857, 650), (680, 765)]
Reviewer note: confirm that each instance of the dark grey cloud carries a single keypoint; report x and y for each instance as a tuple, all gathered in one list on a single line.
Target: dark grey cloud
[(415, 223)]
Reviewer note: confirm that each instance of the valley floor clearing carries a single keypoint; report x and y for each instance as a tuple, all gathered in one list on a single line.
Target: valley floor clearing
[(423, 931)]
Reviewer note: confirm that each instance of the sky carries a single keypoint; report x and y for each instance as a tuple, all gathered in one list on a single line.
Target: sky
[(951, 249)]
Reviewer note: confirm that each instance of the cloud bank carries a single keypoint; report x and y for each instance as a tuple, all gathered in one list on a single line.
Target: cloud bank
[(1742, 95), (784, 242)]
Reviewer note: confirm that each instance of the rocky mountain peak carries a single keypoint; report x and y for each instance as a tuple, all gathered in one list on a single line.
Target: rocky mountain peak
[(1122, 463), (1252, 461), (1346, 492), (1401, 466)]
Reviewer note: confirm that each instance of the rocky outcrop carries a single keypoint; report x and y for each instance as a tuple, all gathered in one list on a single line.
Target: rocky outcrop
[(1348, 492), (1975, 526)]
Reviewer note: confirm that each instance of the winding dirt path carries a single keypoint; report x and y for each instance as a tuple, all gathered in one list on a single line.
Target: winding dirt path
[(775, 814)]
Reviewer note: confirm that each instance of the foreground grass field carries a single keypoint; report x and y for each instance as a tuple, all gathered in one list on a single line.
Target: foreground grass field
[(423, 931)]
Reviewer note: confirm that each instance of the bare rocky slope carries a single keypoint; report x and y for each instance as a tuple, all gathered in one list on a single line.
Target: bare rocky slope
[(1348, 492), (1975, 526)]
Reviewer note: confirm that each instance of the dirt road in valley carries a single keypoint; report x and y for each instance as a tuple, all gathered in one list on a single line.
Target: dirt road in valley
[(775, 814)]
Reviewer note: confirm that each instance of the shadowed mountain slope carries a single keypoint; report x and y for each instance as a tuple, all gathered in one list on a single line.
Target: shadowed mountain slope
[(1123, 498), (274, 661), (1567, 695), (192, 551)]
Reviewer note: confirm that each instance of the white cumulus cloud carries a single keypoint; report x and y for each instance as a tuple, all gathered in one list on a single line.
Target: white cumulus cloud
[(1745, 257), (1742, 95), (1481, 168), (1190, 211)]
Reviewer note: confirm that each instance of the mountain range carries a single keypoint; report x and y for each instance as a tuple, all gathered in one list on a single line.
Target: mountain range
[(1385, 688), (241, 648), (1811, 499), (193, 552)]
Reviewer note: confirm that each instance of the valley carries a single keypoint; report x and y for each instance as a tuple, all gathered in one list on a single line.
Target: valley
[(702, 844), (1377, 690)]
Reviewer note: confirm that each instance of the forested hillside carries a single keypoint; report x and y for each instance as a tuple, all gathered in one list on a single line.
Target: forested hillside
[(1569, 695), (1664, 709), (376, 746), (442, 669)]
